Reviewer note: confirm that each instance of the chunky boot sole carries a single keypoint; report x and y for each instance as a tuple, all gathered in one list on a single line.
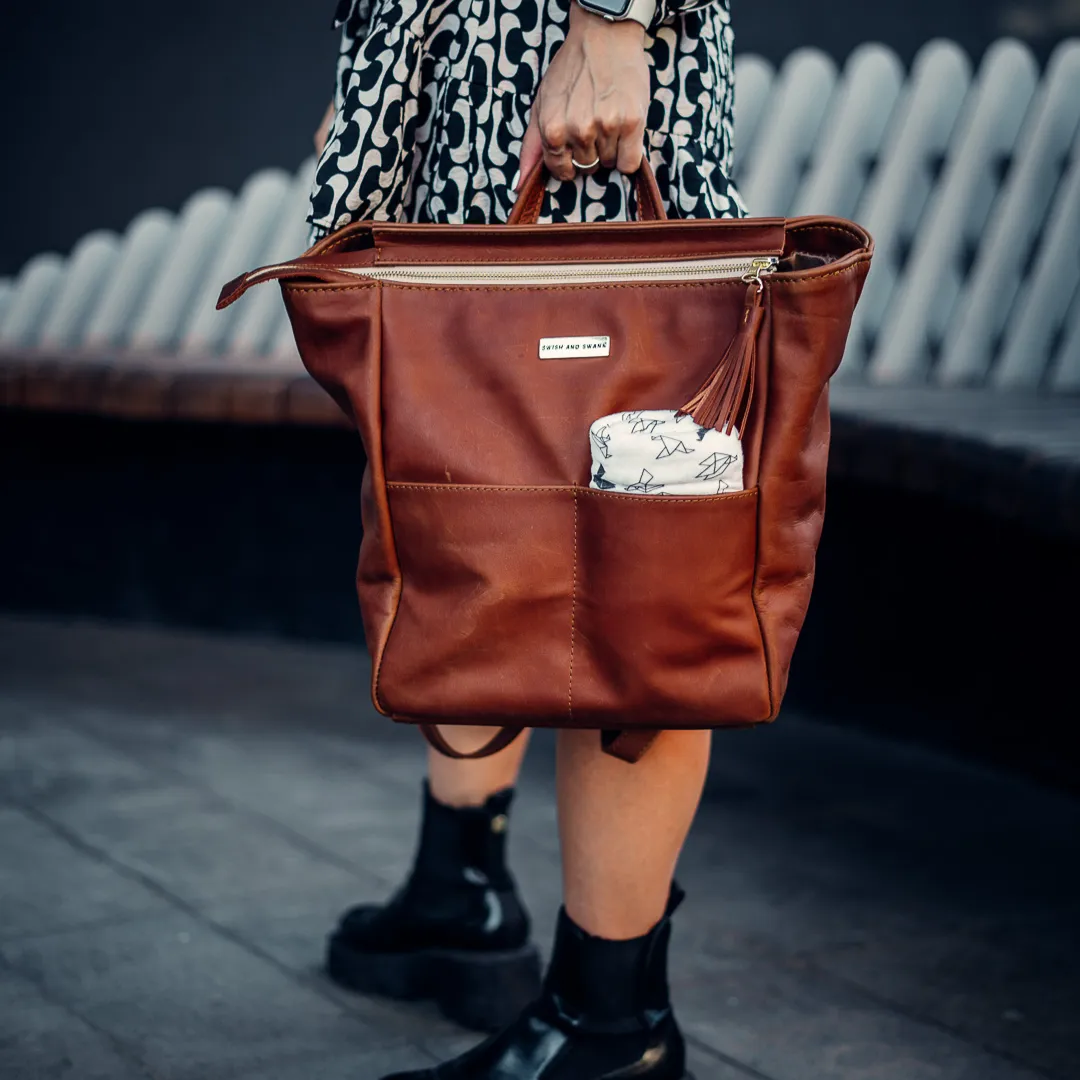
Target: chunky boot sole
[(478, 990)]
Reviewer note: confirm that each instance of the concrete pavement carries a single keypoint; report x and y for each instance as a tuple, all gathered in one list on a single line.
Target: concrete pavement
[(181, 818)]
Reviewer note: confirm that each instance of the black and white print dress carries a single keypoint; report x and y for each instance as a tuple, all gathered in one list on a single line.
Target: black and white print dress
[(432, 100)]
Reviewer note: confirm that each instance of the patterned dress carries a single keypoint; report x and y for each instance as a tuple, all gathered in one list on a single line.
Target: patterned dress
[(433, 96)]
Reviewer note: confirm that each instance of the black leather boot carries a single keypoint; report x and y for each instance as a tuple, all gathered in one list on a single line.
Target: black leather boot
[(604, 1014), (456, 932)]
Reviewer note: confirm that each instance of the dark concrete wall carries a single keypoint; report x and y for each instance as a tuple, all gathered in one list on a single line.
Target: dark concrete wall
[(112, 107), (928, 621)]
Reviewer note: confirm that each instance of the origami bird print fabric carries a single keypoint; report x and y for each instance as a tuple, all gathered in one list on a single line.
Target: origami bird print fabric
[(657, 452)]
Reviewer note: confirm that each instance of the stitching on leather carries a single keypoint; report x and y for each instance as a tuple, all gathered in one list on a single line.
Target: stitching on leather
[(399, 584), (406, 485), (780, 279), (573, 261), (566, 288), (821, 228), (247, 283), (328, 285), (341, 241), (510, 489), (673, 500), (573, 615), (850, 233), (795, 229), (799, 282), (451, 233), (754, 588)]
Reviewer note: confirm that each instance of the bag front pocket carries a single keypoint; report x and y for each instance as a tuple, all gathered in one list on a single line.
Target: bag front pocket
[(483, 623), (665, 629)]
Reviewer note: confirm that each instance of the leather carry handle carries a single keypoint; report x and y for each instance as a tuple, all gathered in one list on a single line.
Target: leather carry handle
[(526, 211), (530, 200), (627, 745)]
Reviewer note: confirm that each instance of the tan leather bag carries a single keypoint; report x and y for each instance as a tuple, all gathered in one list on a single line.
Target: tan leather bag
[(497, 587)]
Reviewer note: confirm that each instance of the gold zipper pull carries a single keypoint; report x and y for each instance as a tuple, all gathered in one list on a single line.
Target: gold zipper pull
[(757, 268)]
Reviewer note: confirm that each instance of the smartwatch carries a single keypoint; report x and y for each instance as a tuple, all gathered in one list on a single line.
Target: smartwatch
[(641, 11)]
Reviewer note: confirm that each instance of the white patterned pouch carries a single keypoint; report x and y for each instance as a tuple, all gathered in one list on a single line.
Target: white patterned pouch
[(658, 452)]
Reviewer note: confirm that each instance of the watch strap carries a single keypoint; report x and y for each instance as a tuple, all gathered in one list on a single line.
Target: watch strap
[(642, 11)]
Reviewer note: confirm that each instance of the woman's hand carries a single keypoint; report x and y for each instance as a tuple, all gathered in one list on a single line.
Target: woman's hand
[(323, 131), (592, 100)]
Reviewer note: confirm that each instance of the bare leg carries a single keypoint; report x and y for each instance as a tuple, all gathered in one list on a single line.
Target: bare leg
[(469, 783), (604, 1008), (622, 827)]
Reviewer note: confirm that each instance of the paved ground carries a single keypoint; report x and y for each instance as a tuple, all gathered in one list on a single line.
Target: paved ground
[(181, 818)]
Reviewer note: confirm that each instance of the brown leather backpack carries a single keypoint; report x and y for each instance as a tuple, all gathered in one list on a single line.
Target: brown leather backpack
[(497, 587)]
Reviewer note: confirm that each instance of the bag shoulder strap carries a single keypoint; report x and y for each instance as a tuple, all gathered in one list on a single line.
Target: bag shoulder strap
[(626, 745), (499, 741)]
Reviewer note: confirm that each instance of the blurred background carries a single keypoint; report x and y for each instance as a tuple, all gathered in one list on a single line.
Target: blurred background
[(192, 781), (116, 107)]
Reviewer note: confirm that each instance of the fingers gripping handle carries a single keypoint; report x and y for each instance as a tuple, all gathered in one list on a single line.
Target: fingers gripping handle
[(530, 201), (526, 211)]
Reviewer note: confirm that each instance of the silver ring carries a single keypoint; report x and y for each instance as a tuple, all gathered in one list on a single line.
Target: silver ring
[(578, 165)]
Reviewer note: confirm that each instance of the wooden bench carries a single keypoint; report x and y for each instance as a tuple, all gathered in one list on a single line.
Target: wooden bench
[(963, 372)]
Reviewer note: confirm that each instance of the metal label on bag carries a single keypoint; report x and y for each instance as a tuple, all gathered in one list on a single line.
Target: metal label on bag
[(560, 348)]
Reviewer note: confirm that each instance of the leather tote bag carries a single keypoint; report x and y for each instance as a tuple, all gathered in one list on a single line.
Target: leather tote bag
[(498, 586)]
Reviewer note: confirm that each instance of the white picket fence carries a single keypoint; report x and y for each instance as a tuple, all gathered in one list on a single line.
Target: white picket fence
[(969, 181)]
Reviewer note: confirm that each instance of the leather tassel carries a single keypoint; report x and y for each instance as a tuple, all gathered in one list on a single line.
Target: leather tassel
[(723, 402)]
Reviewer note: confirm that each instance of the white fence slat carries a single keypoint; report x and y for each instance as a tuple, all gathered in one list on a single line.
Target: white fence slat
[(87, 270), (261, 313), (1066, 377), (283, 349), (865, 143), (852, 132), (901, 185), (1050, 289), (928, 290), (798, 104), (994, 283), (753, 83), (196, 238), (142, 250), (35, 290), (256, 212), (283, 343)]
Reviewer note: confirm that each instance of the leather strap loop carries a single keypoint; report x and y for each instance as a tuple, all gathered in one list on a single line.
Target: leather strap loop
[(530, 200), (629, 745), (499, 741)]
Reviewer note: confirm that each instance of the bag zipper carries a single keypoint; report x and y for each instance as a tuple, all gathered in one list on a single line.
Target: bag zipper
[(748, 269), (723, 401)]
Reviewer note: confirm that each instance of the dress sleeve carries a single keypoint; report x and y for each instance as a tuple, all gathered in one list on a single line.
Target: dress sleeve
[(352, 18), (668, 10)]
